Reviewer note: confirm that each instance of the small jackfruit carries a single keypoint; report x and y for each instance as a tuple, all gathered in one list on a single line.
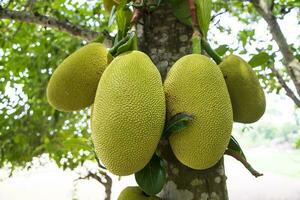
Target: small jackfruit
[(73, 84), (195, 85), (128, 113), (247, 96), (135, 193)]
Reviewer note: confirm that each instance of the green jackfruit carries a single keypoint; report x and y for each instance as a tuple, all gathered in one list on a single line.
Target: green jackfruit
[(195, 85), (247, 96), (135, 193), (128, 113), (73, 84)]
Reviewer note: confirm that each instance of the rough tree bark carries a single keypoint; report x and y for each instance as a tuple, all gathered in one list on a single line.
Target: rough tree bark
[(165, 40)]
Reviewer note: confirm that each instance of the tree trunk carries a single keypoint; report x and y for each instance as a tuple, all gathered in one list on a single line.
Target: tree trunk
[(165, 40)]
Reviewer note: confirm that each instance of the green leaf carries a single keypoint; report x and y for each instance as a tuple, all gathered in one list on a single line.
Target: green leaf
[(77, 143), (123, 17), (259, 59), (181, 10), (177, 123), (112, 16), (122, 4), (129, 45), (152, 178), (222, 49), (234, 146), (203, 9)]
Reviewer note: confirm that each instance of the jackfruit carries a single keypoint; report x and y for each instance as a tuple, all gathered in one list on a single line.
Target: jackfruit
[(128, 113), (135, 193), (73, 84), (247, 96), (195, 85), (108, 4)]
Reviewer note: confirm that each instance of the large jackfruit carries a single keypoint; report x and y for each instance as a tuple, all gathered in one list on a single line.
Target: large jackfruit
[(128, 113), (247, 96), (73, 84), (195, 85), (135, 193)]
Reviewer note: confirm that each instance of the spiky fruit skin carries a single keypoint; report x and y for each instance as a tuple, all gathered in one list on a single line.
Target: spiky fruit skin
[(195, 85), (128, 113), (135, 193), (247, 96), (73, 84)]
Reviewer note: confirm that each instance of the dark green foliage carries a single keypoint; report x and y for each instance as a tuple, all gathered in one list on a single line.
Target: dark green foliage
[(152, 177), (28, 125)]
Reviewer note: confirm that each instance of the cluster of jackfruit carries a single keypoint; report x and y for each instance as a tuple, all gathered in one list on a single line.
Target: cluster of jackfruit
[(128, 100), (216, 96), (130, 105)]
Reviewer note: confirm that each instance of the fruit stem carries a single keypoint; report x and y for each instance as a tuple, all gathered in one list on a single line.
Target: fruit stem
[(214, 55), (243, 161), (113, 50), (197, 34), (196, 42), (137, 14), (192, 7)]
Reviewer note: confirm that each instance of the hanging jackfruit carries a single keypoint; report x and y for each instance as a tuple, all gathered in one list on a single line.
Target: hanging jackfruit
[(135, 193), (73, 84), (247, 96), (195, 85), (128, 113)]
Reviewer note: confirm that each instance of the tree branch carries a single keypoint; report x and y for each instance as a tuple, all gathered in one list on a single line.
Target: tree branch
[(107, 183), (243, 161), (291, 62), (46, 21), (287, 89)]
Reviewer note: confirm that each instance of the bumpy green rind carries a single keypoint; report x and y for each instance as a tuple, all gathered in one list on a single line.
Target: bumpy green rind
[(247, 96), (195, 85), (128, 113), (73, 84), (135, 193)]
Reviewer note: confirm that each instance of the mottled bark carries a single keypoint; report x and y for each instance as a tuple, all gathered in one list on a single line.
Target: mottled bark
[(165, 40)]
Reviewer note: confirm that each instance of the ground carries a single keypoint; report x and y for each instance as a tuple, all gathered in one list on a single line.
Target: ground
[(281, 180)]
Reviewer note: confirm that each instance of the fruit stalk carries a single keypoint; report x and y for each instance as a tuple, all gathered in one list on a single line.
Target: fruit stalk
[(192, 7), (137, 14), (214, 55), (196, 38), (243, 161)]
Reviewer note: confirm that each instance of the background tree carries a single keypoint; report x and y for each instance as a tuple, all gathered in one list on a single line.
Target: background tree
[(35, 36)]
